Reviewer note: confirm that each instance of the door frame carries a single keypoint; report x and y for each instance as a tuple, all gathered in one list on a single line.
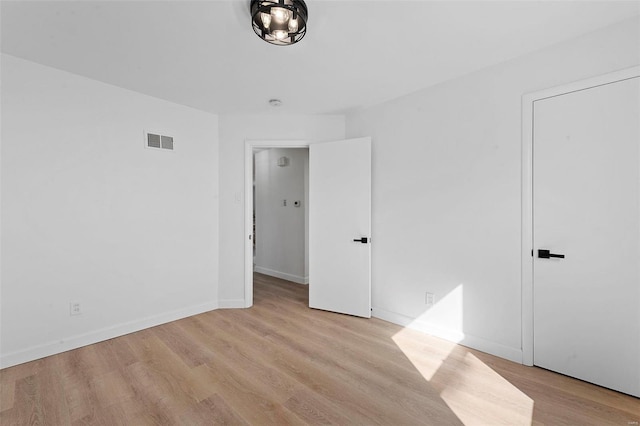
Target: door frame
[(528, 100), (249, 145)]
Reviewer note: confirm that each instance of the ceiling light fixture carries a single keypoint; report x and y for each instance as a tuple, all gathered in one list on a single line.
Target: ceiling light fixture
[(279, 22)]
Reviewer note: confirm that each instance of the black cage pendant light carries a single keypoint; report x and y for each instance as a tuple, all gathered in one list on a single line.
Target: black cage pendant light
[(280, 22)]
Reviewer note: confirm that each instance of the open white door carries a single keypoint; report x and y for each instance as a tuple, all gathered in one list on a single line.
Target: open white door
[(340, 214)]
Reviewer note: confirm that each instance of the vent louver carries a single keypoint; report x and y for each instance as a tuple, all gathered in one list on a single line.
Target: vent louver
[(155, 140), (166, 142)]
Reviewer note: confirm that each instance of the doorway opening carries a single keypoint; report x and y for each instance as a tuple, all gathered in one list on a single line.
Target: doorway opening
[(280, 214), (276, 214)]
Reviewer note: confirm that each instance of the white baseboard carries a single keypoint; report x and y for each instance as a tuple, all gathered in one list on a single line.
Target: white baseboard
[(473, 342), (77, 341), (282, 275), (231, 304)]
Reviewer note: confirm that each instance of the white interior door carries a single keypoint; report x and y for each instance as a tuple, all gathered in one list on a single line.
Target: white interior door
[(339, 213), (586, 206)]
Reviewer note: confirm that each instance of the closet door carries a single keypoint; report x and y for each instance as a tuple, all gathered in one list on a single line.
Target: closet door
[(586, 234)]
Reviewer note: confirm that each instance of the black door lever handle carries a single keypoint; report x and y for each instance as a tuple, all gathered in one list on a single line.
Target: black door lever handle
[(363, 240), (546, 254)]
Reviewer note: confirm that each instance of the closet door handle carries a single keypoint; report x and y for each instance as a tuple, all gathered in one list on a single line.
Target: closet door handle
[(546, 254), (363, 240)]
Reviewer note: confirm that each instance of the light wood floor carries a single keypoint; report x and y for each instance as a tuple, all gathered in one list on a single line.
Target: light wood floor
[(282, 363)]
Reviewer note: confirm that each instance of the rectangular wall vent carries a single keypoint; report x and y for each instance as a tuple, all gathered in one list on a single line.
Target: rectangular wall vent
[(154, 140)]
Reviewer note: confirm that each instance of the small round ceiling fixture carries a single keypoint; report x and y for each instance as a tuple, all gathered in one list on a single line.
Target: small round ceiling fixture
[(279, 22), (275, 102)]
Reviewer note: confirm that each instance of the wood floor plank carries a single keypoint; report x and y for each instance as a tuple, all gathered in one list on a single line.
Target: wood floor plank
[(112, 388), (191, 354), (76, 369), (212, 411), (52, 396), (119, 352), (7, 393), (27, 392), (281, 363), (314, 409)]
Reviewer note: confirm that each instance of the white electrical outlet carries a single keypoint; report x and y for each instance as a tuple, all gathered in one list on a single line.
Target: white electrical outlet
[(429, 299), (74, 308)]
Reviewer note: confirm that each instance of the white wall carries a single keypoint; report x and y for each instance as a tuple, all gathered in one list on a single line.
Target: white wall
[(234, 131), (447, 190), (280, 230), (91, 215)]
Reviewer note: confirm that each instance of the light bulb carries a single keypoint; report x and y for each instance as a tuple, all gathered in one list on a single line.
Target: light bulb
[(280, 14), (280, 34), (266, 19), (293, 26)]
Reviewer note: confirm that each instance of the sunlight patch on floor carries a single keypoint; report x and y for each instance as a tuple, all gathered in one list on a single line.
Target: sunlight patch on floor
[(479, 395), (473, 391), (414, 350)]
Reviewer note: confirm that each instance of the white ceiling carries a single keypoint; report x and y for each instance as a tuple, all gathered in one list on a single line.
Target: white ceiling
[(204, 54)]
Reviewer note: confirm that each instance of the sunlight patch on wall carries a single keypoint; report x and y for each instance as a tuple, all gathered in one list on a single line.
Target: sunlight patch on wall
[(447, 313), (445, 319)]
